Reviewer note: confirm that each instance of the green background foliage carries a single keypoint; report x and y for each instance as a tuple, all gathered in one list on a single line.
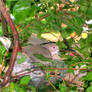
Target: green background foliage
[(31, 11)]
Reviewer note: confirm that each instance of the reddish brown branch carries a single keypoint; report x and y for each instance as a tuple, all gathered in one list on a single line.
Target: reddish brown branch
[(25, 27), (17, 47), (44, 17), (70, 69)]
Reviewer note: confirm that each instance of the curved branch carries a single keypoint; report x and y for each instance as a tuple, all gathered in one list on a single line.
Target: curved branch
[(16, 48)]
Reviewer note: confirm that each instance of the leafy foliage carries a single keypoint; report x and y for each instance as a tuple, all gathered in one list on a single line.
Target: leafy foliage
[(62, 87), (25, 80), (2, 51), (0, 31), (44, 16), (21, 58), (14, 87)]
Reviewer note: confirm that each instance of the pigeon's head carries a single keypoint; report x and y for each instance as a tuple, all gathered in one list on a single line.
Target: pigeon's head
[(53, 48)]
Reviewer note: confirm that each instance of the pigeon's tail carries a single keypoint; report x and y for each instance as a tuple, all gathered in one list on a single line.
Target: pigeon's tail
[(34, 40)]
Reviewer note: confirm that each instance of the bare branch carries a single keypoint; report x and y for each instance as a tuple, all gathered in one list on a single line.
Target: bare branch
[(16, 48)]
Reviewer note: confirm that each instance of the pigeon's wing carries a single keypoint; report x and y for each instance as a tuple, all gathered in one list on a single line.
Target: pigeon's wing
[(36, 60), (36, 49)]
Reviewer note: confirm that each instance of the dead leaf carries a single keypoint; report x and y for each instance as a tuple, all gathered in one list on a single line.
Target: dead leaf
[(72, 1), (73, 79), (6, 42), (52, 36), (63, 25)]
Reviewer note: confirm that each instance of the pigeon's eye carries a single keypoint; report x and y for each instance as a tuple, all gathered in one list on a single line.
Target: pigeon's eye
[(54, 47)]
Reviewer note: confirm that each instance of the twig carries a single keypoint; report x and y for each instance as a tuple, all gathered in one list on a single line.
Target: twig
[(70, 69), (80, 54), (52, 85), (44, 17), (74, 77), (19, 75), (81, 62), (24, 28), (3, 61)]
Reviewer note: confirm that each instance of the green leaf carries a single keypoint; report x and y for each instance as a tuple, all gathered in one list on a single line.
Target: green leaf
[(11, 87), (19, 53), (22, 58), (65, 34), (0, 30), (19, 88), (2, 52), (47, 75), (41, 57), (11, 0), (83, 2), (83, 8), (89, 89), (62, 87), (89, 76), (33, 88), (25, 80), (89, 9), (73, 91), (22, 10), (5, 89), (89, 39)]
